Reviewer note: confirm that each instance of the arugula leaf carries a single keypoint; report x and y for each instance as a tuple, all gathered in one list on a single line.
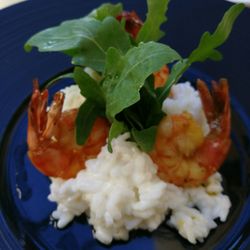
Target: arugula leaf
[(125, 78), (106, 9), (209, 42), (87, 114), (89, 87), (110, 34), (132, 117), (149, 85), (86, 40), (116, 129), (205, 50), (156, 16), (145, 139), (59, 77), (126, 88), (176, 73), (150, 108), (67, 36), (147, 111)]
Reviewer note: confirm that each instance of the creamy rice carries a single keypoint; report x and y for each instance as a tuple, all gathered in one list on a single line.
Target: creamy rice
[(185, 98), (73, 98), (118, 191), (121, 191), (194, 217)]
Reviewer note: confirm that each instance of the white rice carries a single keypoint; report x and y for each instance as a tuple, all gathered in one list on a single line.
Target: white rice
[(118, 191), (73, 98), (121, 191), (185, 98), (195, 218)]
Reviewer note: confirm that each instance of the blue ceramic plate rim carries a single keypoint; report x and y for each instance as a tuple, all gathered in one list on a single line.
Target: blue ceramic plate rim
[(9, 241)]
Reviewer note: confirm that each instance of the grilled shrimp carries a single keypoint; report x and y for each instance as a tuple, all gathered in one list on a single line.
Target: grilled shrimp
[(51, 137), (133, 23), (161, 76), (183, 154)]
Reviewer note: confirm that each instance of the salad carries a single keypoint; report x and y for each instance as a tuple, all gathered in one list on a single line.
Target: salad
[(126, 144)]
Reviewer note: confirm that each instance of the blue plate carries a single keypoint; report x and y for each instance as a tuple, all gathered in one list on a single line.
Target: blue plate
[(25, 211)]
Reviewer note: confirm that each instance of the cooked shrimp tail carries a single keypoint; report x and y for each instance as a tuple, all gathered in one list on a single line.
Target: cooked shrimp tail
[(40, 122), (183, 154), (218, 113), (216, 104), (51, 136)]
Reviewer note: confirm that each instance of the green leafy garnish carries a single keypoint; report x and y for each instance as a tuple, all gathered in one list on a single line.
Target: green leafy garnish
[(156, 16), (87, 114), (207, 48), (209, 42), (105, 10), (109, 34), (176, 73), (149, 107), (124, 89), (65, 37), (86, 40), (116, 129), (59, 77), (125, 77), (89, 87), (145, 138)]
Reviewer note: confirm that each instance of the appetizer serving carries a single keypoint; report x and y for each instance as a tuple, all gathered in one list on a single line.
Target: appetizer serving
[(127, 145)]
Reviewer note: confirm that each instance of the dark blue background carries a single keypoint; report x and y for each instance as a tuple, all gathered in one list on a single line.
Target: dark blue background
[(187, 20)]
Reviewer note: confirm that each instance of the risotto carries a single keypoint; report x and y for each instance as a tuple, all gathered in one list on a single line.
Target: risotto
[(121, 191)]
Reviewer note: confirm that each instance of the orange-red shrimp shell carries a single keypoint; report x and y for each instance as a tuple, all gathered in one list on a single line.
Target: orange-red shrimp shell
[(183, 154), (161, 76), (51, 137)]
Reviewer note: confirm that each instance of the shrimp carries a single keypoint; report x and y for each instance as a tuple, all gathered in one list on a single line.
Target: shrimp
[(161, 76), (133, 23), (183, 154), (52, 148)]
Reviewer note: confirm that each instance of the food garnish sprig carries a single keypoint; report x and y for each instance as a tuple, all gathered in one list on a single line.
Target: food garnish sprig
[(125, 62)]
